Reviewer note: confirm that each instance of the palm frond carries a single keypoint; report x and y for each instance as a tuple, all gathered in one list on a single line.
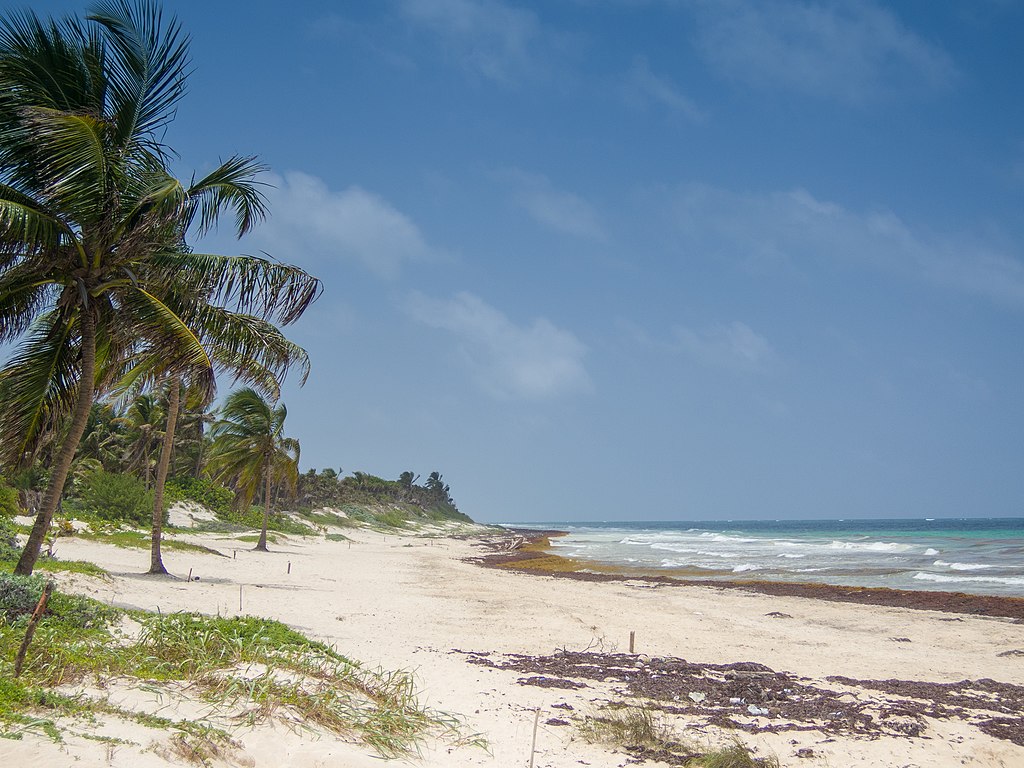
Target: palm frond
[(25, 225), (54, 64), (245, 284), (231, 186), (22, 296), (146, 68), (38, 386), (240, 343), (163, 330), (72, 159)]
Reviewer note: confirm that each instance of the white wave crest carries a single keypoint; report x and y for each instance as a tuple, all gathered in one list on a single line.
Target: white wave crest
[(871, 546), (940, 579), (964, 566)]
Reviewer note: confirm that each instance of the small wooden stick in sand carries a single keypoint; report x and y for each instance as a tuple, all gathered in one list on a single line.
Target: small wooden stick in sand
[(533, 745), (36, 615)]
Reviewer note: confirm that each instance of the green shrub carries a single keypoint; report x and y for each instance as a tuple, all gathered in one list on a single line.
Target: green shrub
[(8, 544), (114, 497), (282, 523), (20, 594), (211, 495), (9, 506)]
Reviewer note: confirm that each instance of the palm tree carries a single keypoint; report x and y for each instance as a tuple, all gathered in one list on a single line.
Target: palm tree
[(249, 348), (143, 423), (249, 450), (101, 437), (92, 226)]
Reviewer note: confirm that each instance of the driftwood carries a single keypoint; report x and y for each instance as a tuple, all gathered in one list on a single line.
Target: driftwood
[(36, 615), (511, 545)]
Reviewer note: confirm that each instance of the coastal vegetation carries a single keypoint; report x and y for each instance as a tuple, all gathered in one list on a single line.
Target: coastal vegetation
[(99, 288), (255, 667)]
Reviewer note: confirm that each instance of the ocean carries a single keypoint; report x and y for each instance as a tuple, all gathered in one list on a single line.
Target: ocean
[(983, 556)]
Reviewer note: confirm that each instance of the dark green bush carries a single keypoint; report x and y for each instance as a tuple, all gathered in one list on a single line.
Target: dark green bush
[(9, 506), (20, 594), (114, 497), (211, 495), (8, 546)]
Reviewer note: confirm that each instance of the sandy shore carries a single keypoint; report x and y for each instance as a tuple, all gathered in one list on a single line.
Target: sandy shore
[(409, 603)]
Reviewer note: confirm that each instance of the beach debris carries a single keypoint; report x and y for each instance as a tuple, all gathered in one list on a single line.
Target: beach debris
[(900, 639), (805, 752), (733, 692), (779, 615), (1014, 652), (551, 682), (563, 705), (556, 721)]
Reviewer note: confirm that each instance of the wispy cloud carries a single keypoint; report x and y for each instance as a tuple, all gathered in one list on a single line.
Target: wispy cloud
[(644, 86), (532, 362), (733, 345), (490, 38), (310, 221), (849, 51), (794, 228), (557, 209)]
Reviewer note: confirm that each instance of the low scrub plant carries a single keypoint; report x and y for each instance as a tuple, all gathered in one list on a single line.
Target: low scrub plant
[(638, 729), (631, 726)]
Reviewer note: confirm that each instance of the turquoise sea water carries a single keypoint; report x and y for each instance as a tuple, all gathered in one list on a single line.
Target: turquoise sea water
[(982, 556)]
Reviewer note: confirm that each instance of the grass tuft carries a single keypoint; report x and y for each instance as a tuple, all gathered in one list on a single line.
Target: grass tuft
[(633, 726)]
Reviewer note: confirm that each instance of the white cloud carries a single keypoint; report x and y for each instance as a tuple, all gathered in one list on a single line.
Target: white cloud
[(794, 229), (310, 221), (849, 51), (643, 85), (734, 345), (562, 211), (532, 362), (491, 38)]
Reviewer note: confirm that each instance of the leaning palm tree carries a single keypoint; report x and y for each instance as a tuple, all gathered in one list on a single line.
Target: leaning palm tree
[(250, 450), (91, 235)]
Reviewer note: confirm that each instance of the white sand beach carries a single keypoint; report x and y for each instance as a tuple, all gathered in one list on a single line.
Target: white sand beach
[(404, 602)]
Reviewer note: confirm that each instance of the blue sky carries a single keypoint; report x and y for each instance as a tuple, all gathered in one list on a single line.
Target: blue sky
[(642, 259)]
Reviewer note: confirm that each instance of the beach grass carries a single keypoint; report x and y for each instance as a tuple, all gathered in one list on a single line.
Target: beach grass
[(255, 667), (643, 732)]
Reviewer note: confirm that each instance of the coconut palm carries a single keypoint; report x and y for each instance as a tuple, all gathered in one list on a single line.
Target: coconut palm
[(92, 226), (143, 424), (250, 450), (249, 349)]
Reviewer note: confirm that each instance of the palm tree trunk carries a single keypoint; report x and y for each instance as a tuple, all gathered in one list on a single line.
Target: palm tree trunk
[(62, 465), (156, 563), (261, 545)]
